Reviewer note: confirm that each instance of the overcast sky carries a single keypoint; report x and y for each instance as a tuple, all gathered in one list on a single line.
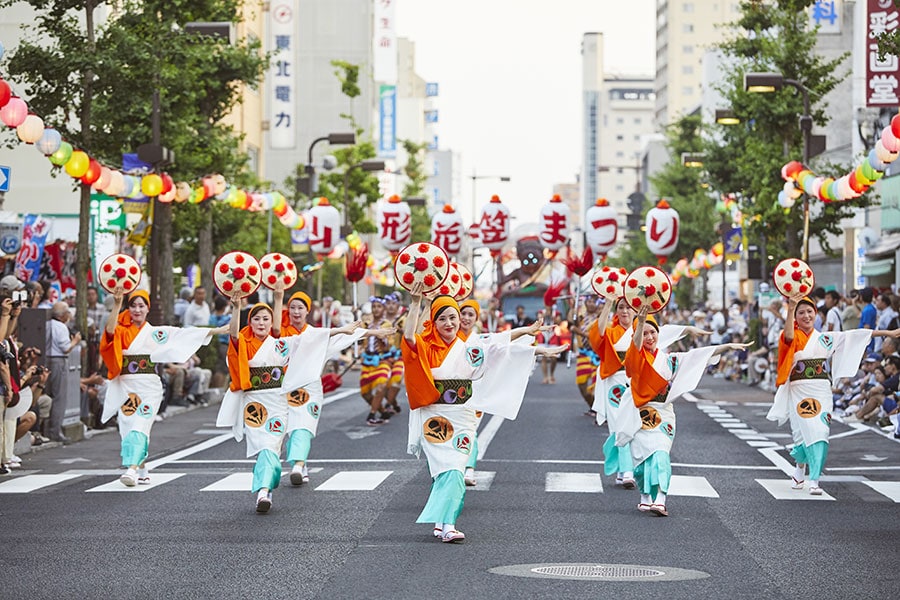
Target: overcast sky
[(510, 83)]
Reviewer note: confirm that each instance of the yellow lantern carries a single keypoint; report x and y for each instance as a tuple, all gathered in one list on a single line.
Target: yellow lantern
[(78, 164), (31, 129), (151, 185)]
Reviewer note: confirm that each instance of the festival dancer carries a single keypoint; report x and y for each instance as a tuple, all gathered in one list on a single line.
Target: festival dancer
[(447, 380), (657, 379), (587, 360), (393, 312), (804, 394), (376, 368), (131, 348), (311, 347)]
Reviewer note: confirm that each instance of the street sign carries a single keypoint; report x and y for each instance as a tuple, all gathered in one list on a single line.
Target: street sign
[(4, 178)]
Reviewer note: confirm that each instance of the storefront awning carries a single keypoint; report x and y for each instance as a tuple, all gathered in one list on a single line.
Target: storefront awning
[(873, 268), (888, 244)]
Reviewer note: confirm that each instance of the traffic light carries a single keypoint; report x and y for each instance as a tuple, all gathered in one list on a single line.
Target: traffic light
[(636, 203), (754, 262)]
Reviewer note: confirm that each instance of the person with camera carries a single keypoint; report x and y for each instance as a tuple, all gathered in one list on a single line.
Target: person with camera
[(59, 345)]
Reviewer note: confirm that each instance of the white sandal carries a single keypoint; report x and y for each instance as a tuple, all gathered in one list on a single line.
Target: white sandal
[(797, 484), (453, 536)]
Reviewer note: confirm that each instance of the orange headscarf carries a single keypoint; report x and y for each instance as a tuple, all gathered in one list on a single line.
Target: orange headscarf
[(242, 349), (473, 304), (604, 345), (430, 352), (286, 327), (111, 346)]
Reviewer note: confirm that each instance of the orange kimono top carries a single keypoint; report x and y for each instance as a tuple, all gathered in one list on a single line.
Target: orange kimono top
[(786, 354), (111, 346), (646, 383), (288, 330), (604, 345), (240, 351), (430, 352)]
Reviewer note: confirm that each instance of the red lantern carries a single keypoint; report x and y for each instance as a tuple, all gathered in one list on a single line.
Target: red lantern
[(602, 229), (494, 224), (554, 223), (394, 223), (5, 93), (93, 172), (447, 230), (324, 227), (662, 230)]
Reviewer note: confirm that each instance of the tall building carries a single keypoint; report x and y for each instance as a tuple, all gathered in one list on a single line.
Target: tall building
[(592, 83), (570, 195), (684, 29)]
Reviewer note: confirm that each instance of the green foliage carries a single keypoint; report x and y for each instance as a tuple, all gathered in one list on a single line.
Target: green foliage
[(889, 41), (415, 188), (746, 159)]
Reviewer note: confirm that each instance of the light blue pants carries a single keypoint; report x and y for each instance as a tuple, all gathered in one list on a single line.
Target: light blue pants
[(298, 444), (448, 491), (473, 455), (616, 459), (266, 471), (135, 446), (813, 455), (653, 475)]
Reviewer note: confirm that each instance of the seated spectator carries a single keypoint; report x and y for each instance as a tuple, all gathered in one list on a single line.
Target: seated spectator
[(93, 392), (887, 381), (188, 382), (15, 429)]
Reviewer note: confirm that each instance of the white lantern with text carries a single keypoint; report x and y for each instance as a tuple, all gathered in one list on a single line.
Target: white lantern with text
[(661, 232), (602, 228), (324, 227), (394, 223), (447, 230), (554, 224), (494, 225)]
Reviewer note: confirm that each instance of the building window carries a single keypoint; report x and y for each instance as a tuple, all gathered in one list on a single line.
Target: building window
[(687, 28), (253, 159), (687, 70), (620, 170), (637, 137), (687, 49), (687, 91), (688, 7), (620, 154), (637, 120), (620, 188), (620, 121), (620, 137)]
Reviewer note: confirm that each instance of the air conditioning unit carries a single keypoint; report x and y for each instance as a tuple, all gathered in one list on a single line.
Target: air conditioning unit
[(867, 238)]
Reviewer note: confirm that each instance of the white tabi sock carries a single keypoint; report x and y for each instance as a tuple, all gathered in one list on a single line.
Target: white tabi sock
[(661, 498), (628, 475), (799, 473), (813, 483), (449, 527), (645, 499)]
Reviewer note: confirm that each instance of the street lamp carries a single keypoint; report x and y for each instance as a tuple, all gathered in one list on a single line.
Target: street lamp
[(771, 82), (475, 179), (369, 165), (692, 160), (726, 116), (306, 185)]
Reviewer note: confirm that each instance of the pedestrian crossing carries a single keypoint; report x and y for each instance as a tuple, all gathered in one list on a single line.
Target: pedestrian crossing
[(327, 479)]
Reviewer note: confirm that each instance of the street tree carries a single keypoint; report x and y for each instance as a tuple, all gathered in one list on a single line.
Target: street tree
[(415, 188)]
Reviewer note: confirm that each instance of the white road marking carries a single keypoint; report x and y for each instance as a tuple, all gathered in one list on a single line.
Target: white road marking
[(354, 481), (339, 395), (205, 445), (891, 489), (484, 479), (29, 483), (573, 482), (734, 425), (487, 434), (781, 490), (779, 461), (762, 444), (156, 480), (684, 485), (236, 482)]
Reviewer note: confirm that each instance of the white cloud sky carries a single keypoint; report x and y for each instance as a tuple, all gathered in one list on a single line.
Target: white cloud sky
[(510, 83)]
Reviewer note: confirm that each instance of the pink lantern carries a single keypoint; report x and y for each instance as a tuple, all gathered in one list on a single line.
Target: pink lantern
[(31, 129), (662, 230), (14, 113), (447, 230), (494, 224), (554, 223), (324, 227), (602, 227), (102, 181), (394, 223)]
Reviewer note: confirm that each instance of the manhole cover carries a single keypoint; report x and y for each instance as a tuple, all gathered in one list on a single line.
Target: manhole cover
[(599, 572)]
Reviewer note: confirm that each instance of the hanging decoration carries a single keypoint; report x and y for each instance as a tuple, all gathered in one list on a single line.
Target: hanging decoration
[(394, 223), (324, 226), (493, 227), (602, 228), (447, 230), (662, 230), (554, 224)]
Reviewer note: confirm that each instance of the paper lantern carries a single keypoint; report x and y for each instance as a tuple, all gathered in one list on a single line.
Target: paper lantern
[(494, 224), (168, 183), (554, 224), (791, 170), (890, 142), (92, 173), (31, 129), (14, 112), (151, 185), (78, 163), (662, 230), (324, 227), (447, 230), (62, 154), (394, 223), (103, 180), (219, 184), (5, 93), (602, 228), (49, 142), (116, 184)]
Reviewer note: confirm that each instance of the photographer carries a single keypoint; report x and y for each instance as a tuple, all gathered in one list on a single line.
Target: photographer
[(30, 357), (59, 345)]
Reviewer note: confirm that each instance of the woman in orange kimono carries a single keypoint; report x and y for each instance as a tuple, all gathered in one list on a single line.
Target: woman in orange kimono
[(657, 379), (447, 380)]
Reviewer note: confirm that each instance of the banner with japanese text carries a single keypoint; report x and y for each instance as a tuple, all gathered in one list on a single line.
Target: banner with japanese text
[(882, 75), (34, 236), (282, 126)]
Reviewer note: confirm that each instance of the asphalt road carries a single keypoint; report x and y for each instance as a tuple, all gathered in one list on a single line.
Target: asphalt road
[(351, 532)]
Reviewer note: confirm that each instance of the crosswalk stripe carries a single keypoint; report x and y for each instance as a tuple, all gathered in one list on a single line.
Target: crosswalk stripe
[(734, 425), (484, 479), (236, 482), (156, 480), (685, 485), (354, 481), (891, 489), (29, 483), (762, 443), (781, 490), (573, 482)]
